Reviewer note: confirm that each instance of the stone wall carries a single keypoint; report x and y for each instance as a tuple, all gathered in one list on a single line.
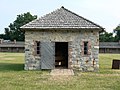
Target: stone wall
[(76, 59)]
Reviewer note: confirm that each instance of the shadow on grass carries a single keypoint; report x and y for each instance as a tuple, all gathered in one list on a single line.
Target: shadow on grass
[(11, 67)]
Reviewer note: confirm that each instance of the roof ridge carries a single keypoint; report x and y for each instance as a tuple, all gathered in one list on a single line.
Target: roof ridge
[(52, 20), (49, 13), (39, 18), (81, 17)]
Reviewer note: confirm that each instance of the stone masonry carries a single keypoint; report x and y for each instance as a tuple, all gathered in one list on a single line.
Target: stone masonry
[(76, 60)]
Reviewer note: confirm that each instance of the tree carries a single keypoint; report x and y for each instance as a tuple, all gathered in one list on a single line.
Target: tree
[(117, 31), (7, 34), (106, 37), (2, 36), (13, 31)]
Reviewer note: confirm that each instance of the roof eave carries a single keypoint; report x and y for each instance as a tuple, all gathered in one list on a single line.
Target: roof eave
[(70, 28)]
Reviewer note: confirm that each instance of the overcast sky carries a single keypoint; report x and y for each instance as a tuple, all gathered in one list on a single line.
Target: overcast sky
[(103, 12)]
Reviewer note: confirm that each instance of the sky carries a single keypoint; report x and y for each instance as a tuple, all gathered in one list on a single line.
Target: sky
[(105, 13)]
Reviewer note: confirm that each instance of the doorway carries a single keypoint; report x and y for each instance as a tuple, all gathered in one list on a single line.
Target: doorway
[(61, 54)]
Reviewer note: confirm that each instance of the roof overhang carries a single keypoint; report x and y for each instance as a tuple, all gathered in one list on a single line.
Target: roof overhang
[(67, 28)]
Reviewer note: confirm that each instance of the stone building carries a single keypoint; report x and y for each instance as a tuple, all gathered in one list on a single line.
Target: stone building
[(62, 39)]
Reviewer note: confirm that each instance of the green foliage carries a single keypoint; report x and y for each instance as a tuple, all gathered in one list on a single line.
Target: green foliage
[(7, 34), (13, 31), (2, 36), (106, 37), (117, 31)]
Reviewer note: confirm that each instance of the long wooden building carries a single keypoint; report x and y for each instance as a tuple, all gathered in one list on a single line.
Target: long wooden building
[(9, 46), (109, 47)]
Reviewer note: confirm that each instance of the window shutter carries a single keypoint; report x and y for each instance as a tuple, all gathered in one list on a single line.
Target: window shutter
[(89, 47)]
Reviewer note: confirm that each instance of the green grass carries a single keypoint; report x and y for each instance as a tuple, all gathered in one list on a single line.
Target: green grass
[(13, 77)]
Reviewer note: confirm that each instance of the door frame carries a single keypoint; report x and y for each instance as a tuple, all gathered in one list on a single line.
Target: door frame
[(67, 64)]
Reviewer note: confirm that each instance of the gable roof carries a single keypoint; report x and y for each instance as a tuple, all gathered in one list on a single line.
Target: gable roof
[(61, 18)]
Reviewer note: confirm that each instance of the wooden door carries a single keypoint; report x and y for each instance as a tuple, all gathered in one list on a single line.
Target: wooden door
[(47, 55)]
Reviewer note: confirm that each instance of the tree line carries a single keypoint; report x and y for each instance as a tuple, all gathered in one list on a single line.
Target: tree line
[(13, 31), (110, 37)]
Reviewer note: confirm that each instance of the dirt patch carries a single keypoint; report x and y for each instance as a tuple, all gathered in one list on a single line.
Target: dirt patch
[(62, 72), (60, 78)]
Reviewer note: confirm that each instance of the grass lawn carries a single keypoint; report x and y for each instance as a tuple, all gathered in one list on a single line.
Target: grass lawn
[(13, 77)]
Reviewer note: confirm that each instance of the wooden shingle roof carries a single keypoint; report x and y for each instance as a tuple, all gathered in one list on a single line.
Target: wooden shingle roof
[(12, 44), (61, 18), (109, 45)]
